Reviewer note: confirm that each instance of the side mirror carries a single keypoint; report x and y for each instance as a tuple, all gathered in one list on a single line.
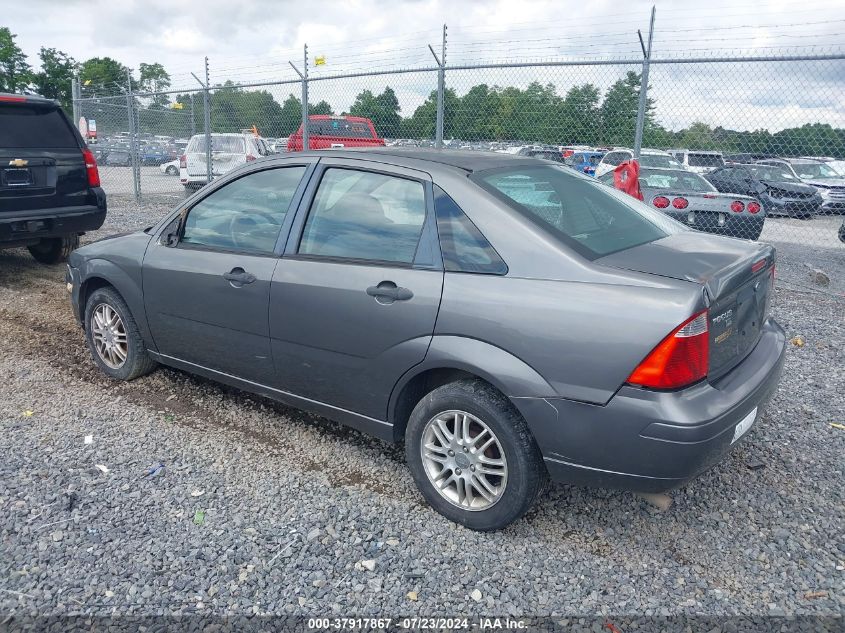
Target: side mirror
[(170, 235)]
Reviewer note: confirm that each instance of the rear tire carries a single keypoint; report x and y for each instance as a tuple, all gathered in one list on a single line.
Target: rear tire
[(131, 360), (53, 250), (171, 171), (511, 464)]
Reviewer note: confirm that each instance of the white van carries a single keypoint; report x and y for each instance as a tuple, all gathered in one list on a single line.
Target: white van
[(227, 152)]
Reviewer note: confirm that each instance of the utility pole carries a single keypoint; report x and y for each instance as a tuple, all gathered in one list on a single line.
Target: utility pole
[(133, 138), (638, 133), (304, 77), (74, 99)]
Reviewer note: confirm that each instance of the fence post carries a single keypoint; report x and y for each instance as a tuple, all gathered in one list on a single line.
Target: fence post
[(306, 137), (193, 123), (209, 172), (441, 89), (133, 138), (74, 99), (638, 133)]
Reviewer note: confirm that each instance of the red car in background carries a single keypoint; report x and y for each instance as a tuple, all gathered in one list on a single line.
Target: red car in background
[(327, 132)]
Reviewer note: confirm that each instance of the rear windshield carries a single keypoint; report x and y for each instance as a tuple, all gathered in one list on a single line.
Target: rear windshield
[(657, 160), (225, 144), (340, 127), (593, 219), (705, 160), (25, 126), (676, 180)]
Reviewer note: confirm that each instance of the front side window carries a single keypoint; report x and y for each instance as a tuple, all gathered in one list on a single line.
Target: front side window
[(366, 216), (246, 214), (705, 160), (593, 219)]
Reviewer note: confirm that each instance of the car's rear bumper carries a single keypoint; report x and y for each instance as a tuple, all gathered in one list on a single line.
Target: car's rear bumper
[(721, 223), (22, 227), (654, 441)]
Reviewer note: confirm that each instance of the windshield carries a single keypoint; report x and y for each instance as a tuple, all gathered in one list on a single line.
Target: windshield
[(705, 160), (595, 220), (770, 172), (225, 144), (674, 180), (814, 170), (658, 160)]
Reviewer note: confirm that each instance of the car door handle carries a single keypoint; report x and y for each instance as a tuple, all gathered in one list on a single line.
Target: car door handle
[(389, 290), (239, 276)]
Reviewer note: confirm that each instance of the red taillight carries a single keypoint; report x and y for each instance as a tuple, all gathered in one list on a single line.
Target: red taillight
[(12, 98), (250, 157), (680, 203), (567, 153), (680, 359), (757, 266), (91, 168), (183, 162), (737, 206), (753, 207), (661, 202)]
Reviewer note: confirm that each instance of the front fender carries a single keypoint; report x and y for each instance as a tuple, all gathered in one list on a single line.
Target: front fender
[(129, 287)]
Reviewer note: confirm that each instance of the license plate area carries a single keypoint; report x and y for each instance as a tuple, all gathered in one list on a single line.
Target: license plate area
[(17, 177)]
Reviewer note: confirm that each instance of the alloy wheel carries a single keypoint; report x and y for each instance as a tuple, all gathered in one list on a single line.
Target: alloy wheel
[(109, 336)]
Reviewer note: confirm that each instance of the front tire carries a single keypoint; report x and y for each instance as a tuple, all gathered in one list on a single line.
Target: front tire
[(113, 337), (54, 249), (472, 456)]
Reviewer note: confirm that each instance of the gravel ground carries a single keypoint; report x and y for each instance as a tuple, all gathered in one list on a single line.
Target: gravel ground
[(260, 508)]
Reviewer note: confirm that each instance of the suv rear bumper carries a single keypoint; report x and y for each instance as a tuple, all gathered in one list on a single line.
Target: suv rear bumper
[(23, 227), (653, 441)]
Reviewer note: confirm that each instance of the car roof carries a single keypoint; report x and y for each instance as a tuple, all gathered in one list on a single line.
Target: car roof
[(418, 157)]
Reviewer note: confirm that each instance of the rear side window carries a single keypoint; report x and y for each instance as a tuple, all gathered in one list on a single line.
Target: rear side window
[(25, 126), (592, 219), (464, 248), (658, 160), (366, 216)]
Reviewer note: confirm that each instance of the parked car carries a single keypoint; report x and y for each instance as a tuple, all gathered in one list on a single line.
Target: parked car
[(648, 158), (153, 155), (351, 283), (171, 168), (830, 184), (118, 157), (842, 231), (50, 190), (778, 190), (747, 157), (585, 162), (545, 154), (699, 161), (327, 131), (228, 151), (689, 198)]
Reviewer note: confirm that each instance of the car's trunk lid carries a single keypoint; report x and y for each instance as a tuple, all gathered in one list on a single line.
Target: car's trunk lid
[(735, 275)]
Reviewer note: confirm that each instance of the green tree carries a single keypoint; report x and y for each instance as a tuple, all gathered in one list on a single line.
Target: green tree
[(321, 107), (382, 110), (54, 79), (15, 72), (579, 115), (476, 114), (104, 76), (154, 78), (619, 111)]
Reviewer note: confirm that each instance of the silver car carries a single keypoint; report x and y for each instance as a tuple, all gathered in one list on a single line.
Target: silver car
[(505, 318)]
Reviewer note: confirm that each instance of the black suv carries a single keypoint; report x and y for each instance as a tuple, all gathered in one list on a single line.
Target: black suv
[(49, 184)]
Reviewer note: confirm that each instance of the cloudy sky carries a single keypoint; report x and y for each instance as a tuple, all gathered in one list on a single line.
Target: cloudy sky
[(252, 40)]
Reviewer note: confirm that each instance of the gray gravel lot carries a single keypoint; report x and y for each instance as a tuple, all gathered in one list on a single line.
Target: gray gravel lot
[(260, 508)]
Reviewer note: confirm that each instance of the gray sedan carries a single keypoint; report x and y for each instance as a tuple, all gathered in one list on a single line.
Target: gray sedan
[(507, 319)]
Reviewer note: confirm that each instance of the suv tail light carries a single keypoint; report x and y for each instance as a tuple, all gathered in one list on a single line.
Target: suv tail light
[(91, 168), (183, 162), (661, 202), (680, 359)]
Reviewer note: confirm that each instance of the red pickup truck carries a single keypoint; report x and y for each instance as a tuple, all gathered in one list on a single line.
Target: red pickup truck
[(327, 132)]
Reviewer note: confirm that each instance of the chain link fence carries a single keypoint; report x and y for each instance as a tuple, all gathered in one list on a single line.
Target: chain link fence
[(745, 146)]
